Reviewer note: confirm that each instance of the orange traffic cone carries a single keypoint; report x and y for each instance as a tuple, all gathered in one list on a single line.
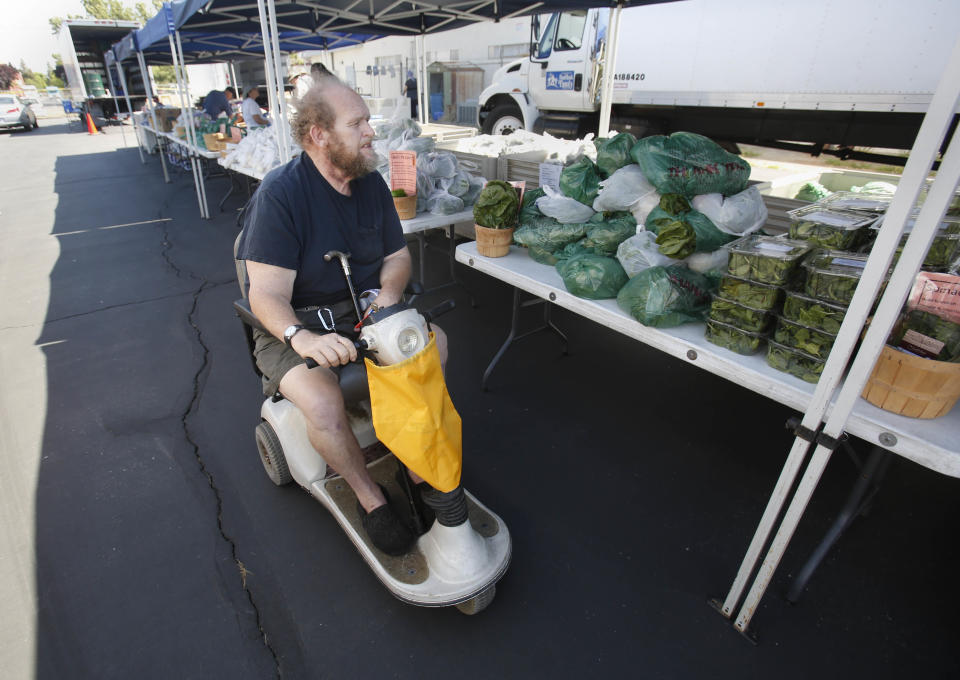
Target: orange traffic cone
[(91, 128)]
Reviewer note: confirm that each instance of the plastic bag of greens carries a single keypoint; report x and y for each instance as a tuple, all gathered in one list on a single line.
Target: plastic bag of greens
[(690, 164), (422, 145), (580, 181), (573, 250), (458, 185), (813, 192), (604, 237), (665, 296), (622, 189), (640, 252), (614, 153), (592, 276), (547, 234), (438, 164), (425, 187), (739, 215), (528, 208), (562, 208), (476, 186), (683, 233), (442, 203)]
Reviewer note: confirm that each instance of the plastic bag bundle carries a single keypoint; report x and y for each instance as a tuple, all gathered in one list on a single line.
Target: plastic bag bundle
[(442, 203), (685, 232), (640, 252), (422, 145), (709, 262), (580, 181), (813, 192), (641, 209), (458, 185), (592, 276), (545, 233), (665, 296), (614, 153), (573, 250), (690, 164), (438, 164), (476, 186), (604, 237), (563, 208), (738, 215), (528, 208), (623, 189)]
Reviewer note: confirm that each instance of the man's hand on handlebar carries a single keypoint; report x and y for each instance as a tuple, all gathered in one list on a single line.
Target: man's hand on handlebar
[(328, 349)]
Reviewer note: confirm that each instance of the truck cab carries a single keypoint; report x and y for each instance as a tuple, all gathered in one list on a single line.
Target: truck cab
[(561, 74)]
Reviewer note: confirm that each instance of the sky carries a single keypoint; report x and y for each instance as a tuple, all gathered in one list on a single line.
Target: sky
[(25, 32)]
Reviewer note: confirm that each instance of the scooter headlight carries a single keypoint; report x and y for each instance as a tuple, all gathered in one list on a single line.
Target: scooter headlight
[(408, 342)]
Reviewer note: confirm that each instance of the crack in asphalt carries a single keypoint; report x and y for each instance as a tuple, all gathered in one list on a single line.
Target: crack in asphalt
[(190, 409)]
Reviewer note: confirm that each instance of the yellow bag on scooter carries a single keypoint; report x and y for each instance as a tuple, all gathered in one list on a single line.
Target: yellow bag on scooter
[(414, 417)]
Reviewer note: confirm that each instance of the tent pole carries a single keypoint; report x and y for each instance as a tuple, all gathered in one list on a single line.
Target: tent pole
[(116, 104), (153, 113), (192, 132), (126, 94), (283, 129), (185, 111), (235, 82), (422, 75), (609, 67), (270, 71)]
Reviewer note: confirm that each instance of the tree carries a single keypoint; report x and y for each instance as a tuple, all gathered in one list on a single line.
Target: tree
[(38, 80), (111, 9), (8, 75), (163, 74)]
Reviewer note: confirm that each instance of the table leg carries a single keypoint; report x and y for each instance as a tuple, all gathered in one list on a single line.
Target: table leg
[(452, 252), (514, 326), (452, 248), (233, 184), (857, 503)]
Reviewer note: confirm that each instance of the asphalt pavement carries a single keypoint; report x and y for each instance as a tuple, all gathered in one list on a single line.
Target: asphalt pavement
[(141, 537)]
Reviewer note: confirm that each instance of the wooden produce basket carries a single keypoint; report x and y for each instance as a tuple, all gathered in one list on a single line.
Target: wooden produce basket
[(214, 141), (912, 386), (406, 206)]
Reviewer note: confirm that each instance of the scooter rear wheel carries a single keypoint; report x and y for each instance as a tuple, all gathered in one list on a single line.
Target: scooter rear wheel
[(477, 604), (271, 454)]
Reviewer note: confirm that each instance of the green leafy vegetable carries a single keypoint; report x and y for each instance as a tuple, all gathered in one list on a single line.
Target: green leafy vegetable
[(813, 192), (677, 239), (921, 333), (813, 342), (690, 164), (766, 259), (744, 318), (825, 235), (941, 251), (580, 181), (696, 233), (813, 313), (496, 206), (398, 193), (529, 208), (592, 276), (548, 234), (665, 296), (749, 293), (604, 237), (795, 363), (832, 280), (734, 339), (675, 204)]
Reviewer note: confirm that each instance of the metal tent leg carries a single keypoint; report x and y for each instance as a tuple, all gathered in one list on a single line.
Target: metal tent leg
[(857, 503)]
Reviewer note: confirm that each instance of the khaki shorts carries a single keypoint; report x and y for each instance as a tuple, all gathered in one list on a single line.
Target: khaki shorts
[(274, 358)]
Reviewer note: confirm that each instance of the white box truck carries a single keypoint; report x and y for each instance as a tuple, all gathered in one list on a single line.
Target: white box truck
[(83, 42), (843, 73)]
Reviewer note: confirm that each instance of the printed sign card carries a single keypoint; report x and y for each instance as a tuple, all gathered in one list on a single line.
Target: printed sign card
[(403, 171)]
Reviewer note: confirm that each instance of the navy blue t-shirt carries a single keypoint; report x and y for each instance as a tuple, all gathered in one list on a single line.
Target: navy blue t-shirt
[(215, 103), (295, 217)]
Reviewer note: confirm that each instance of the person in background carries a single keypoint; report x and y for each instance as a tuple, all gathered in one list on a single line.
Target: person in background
[(252, 114), (217, 102), (410, 90)]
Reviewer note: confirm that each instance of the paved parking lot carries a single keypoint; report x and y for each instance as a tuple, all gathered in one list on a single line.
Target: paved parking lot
[(142, 539)]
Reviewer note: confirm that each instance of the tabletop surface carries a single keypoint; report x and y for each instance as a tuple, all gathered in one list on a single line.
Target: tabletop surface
[(933, 443)]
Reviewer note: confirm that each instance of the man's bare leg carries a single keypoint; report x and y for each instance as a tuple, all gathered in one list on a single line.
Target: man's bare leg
[(317, 394)]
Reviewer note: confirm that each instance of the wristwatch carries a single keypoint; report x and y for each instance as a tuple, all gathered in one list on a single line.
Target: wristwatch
[(291, 330)]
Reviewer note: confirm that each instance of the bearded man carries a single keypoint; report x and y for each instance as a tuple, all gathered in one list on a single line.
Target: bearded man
[(329, 198)]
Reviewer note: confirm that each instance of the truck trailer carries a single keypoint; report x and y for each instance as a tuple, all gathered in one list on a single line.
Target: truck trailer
[(83, 42), (819, 76)]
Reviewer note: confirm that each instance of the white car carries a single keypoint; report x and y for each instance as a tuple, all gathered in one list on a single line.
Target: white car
[(14, 112)]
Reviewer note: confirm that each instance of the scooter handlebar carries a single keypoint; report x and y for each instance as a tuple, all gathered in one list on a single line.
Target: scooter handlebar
[(439, 310), (310, 362)]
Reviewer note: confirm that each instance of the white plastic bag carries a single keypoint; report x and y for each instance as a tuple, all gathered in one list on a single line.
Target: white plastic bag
[(642, 208), (737, 215), (561, 208), (641, 252), (442, 203), (622, 189), (705, 262), (438, 164)]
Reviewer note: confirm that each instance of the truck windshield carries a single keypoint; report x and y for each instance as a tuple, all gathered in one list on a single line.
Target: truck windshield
[(570, 30)]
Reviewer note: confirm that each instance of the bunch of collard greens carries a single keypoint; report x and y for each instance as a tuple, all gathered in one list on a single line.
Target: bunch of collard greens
[(603, 237), (733, 339), (744, 318), (614, 153), (814, 313), (682, 231), (931, 326), (665, 296), (795, 363), (813, 192), (497, 205), (580, 181), (813, 342), (690, 164), (594, 277), (749, 293)]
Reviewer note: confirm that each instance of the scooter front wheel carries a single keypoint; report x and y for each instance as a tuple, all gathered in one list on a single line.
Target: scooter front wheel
[(271, 454), (478, 603)]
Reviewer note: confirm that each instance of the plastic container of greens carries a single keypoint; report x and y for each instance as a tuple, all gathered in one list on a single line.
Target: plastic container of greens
[(837, 229), (750, 293), (833, 275), (733, 338), (808, 340), (851, 200), (741, 316), (794, 362), (767, 259), (945, 245), (814, 313)]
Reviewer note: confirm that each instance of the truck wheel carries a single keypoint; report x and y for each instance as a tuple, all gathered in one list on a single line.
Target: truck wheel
[(503, 120), (271, 454)]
